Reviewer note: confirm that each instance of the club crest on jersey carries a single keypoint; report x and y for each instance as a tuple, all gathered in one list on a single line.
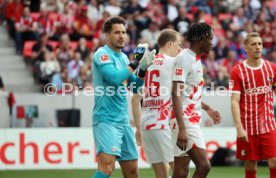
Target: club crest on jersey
[(114, 149), (243, 153), (104, 58), (269, 79), (178, 71)]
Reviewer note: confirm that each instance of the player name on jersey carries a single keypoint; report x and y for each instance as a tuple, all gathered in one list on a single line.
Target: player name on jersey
[(153, 103)]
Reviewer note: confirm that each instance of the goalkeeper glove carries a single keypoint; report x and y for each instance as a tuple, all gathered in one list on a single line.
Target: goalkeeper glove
[(138, 55), (145, 62)]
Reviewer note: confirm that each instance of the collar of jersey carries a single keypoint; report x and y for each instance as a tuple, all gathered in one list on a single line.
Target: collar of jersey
[(111, 51), (194, 54)]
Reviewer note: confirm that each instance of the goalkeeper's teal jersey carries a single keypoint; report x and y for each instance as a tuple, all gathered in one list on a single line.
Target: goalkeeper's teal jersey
[(110, 80)]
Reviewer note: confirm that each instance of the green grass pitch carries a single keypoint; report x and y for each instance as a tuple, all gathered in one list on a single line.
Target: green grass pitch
[(216, 172)]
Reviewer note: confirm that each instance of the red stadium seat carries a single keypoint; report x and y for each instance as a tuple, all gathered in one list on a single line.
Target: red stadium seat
[(28, 45), (74, 45), (53, 16), (190, 16), (208, 19), (223, 17), (219, 32), (54, 44), (35, 16)]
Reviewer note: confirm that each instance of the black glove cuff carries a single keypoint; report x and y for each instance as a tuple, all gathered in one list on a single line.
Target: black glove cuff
[(134, 65), (142, 73)]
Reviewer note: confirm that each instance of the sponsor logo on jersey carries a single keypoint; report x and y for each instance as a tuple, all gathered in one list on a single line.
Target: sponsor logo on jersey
[(104, 58), (178, 71), (259, 90)]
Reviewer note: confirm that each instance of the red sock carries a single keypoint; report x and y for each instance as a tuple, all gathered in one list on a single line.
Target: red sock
[(250, 174), (272, 172)]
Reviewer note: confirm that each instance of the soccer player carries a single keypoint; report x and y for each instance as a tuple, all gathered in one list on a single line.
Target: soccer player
[(252, 84), (155, 129), (113, 135), (186, 97)]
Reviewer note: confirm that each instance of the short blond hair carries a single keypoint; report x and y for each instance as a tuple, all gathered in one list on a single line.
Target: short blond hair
[(249, 36)]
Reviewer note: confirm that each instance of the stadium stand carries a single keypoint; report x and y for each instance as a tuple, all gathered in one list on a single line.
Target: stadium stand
[(13, 69)]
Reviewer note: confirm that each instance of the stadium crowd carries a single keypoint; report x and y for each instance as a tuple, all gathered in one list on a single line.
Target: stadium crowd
[(60, 36)]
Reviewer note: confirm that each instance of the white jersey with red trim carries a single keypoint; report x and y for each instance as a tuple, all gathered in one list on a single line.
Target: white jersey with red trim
[(157, 97), (188, 69)]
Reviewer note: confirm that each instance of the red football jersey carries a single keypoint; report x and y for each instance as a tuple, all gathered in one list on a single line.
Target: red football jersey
[(255, 86)]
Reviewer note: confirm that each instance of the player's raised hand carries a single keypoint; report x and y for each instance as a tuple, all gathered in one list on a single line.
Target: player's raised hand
[(147, 59), (182, 139), (241, 134), (140, 51), (214, 115)]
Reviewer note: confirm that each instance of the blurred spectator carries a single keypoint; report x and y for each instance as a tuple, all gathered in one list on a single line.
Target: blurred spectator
[(52, 6), (133, 9), (267, 38), (82, 49), (151, 34), (74, 66), (40, 48), (156, 12), (171, 10), (61, 78), (48, 68), (272, 56), (82, 26), (267, 10), (1, 84), (221, 49), (45, 24), (260, 21), (239, 20), (113, 7), (207, 78), (99, 25), (237, 45), (95, 10), (133, 32), (82, 80), (230, 62), (64, 51), (129, 48), (211, 65), (182, 23), (26, 29), (223, 78), (13, 13), (64, 22)]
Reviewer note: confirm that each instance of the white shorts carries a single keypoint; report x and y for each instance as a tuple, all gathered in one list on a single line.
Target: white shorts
[(195, 140), (158, 145)]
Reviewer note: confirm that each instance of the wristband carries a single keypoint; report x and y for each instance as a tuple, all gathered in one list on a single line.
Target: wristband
[(142, 73), (134, 65)]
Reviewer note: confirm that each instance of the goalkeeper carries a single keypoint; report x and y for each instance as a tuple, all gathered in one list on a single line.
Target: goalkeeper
[(113, 135)]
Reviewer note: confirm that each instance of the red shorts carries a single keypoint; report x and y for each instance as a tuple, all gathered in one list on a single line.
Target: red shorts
[(259, 147)]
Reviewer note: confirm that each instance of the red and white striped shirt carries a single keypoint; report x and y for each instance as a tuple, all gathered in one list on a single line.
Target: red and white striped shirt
[(255, 86)]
